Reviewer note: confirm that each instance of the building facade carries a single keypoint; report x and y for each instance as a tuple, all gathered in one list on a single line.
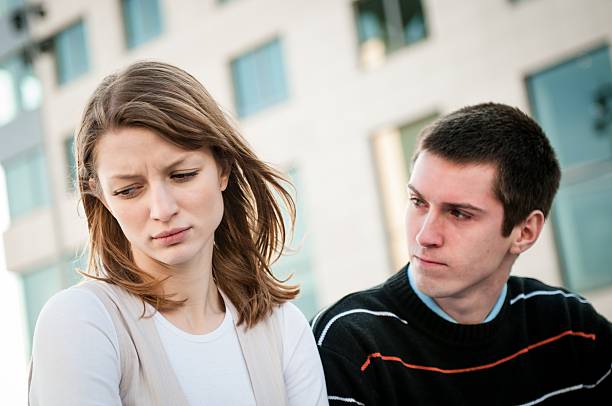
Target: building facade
[(332, 92)]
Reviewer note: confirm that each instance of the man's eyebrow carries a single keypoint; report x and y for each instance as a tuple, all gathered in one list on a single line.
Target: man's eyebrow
[(462, 206), (414, 190), (450, 205)]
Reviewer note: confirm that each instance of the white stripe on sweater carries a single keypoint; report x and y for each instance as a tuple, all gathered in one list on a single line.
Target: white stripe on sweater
[(316, 318), (546, 292), (348, 312), (346, 400), (568, 389)]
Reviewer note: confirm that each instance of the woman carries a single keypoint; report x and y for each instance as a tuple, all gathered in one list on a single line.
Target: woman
[(184, 222)]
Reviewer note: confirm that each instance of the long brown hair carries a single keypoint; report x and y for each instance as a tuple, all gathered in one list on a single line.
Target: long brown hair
[(251, 235)]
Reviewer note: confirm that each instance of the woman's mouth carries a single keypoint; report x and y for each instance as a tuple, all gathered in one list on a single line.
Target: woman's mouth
[(172, 236)]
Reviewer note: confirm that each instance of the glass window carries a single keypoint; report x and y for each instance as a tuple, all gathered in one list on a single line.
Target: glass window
[(384, 26), (259, 78), (297, 260), (71, 54), (573, 103), (70, 162), (38, 286), (393, 150), (19, 89), (26, 182), (74, 264), (142, 21), (409, 134), (6, 6)]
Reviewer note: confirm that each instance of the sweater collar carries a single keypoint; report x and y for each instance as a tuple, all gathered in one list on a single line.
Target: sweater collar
[(433, 306), (410, 307)]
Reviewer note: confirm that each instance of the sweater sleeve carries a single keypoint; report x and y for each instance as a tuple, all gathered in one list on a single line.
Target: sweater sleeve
[(302, 368), (75, 353)]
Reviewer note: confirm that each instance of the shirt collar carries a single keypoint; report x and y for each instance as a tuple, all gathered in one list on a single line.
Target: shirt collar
[(433, 306)]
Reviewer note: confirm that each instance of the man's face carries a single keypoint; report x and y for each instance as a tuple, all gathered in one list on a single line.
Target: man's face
[(454, 222)]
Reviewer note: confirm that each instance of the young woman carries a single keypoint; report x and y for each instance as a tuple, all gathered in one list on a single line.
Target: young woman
[(184, 222)]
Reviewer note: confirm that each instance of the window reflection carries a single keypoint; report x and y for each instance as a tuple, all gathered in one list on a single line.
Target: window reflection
[(19, 88)]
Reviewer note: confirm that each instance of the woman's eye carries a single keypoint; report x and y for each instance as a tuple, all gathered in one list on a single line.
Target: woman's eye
[(184, 176), (127, 192)]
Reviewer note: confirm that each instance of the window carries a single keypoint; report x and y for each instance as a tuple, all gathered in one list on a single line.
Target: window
[(259, 78), (70, 162), (71, 56), (384, 26), (6, 6), (26, 182), (142, 21), (19, 89), (393, 149), (38, 286), (573, 103), (73, 264), (297, 260)]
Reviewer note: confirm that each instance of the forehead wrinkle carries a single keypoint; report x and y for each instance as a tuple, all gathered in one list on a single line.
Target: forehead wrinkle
[(133, 168)]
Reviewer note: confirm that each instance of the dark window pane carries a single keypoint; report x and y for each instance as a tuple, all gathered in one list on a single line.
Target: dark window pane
[(259, 78), (71, 55), (573, 103)]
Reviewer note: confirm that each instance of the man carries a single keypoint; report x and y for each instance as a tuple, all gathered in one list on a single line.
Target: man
[(452, 327)]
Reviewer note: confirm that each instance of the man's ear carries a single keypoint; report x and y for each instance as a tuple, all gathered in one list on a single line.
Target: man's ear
[(527, 232)]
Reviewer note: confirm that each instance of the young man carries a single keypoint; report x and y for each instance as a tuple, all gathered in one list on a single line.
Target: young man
[(452, 327)]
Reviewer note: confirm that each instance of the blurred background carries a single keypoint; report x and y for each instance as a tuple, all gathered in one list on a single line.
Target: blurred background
[(332, 92)]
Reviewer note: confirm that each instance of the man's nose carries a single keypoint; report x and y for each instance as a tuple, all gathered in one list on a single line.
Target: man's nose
[(430, 235)]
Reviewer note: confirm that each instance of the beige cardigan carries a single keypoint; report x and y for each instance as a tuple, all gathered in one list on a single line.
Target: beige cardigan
[(147, 378)]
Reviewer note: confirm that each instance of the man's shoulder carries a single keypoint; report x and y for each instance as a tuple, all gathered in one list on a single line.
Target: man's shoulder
[(354, 314), (538, 298), (533, 291)]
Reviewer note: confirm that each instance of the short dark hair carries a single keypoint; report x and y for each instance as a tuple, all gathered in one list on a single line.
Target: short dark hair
[(528, 172)]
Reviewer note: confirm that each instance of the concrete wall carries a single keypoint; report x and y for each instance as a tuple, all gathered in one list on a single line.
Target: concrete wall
[(476, 51)]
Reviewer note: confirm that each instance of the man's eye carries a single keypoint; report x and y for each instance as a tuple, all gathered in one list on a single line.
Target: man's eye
[(416, 202), (459, 214), (184, 176)]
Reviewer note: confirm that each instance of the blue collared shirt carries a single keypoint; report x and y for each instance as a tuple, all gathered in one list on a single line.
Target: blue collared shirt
[(433, 306)]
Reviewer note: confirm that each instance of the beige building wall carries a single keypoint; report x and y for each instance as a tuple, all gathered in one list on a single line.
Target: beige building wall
[(477, 50)]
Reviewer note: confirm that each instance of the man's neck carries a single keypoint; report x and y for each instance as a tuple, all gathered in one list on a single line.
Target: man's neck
[(456, 310), (474, 310)]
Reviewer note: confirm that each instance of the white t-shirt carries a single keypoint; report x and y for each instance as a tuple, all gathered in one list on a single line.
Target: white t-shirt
[(76, 357)]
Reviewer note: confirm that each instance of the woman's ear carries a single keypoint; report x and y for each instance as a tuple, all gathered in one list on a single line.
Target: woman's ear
[(224, 174), (223, 180), (97, 192), (528, 232)]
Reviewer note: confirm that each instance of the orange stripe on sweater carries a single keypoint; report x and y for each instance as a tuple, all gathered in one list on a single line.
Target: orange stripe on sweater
[(479, 367)]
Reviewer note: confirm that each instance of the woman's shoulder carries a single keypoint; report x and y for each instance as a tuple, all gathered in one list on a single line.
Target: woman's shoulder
[(290, 315), (72, 309), (75, 351)]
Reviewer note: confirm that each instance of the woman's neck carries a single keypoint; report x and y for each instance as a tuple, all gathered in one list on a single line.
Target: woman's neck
[(203, 309)]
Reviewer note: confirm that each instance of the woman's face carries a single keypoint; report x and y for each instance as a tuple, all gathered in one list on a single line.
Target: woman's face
[(167, 200)]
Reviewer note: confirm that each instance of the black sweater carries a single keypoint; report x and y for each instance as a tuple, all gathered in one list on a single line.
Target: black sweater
[(384, 346)]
